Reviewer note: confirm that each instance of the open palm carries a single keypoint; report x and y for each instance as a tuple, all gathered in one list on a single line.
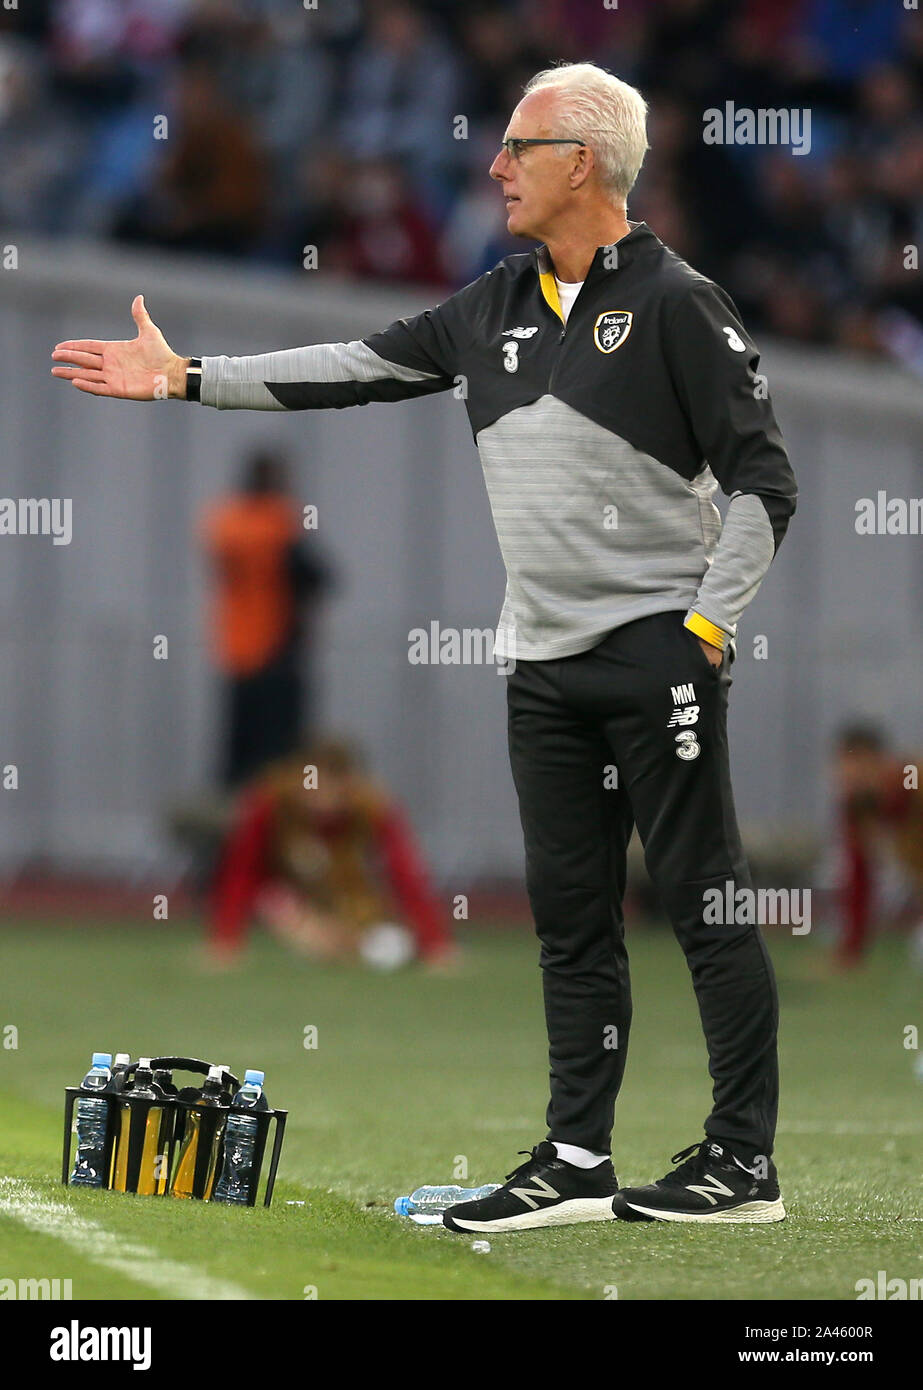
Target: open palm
[(138, 369)]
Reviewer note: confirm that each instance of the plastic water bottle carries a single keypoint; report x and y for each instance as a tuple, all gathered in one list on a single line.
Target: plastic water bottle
[(155, 1126), (240, 1137), (195, 1172), (163, 1078), (120, 1068), (433, 1201), (93, 1124)]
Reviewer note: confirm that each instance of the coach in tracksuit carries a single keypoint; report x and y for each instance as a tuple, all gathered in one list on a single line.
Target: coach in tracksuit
[(610, 389)]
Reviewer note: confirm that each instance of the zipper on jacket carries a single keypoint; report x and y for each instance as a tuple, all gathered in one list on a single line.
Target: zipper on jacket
[(563, 333)]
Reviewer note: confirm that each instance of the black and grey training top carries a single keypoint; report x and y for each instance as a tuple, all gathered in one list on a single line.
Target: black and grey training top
[(601, 442)]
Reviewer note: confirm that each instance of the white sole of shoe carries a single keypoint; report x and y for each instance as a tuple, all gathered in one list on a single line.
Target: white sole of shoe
[(563, 1214), (747, 1212)]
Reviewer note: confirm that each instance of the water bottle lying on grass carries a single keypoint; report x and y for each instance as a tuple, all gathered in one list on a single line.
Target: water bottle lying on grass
[(426, 1204)]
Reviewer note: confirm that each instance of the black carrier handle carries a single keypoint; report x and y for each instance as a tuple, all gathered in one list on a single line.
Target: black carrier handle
[(190, 1064)]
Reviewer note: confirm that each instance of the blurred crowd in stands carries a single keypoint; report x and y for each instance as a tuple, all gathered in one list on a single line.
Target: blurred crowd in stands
[(332, 124)]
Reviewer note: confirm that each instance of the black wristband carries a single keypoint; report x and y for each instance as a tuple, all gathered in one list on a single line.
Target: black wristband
[(194, 379)]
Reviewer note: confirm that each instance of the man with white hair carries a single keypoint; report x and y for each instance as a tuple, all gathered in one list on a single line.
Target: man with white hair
[(610, 389)]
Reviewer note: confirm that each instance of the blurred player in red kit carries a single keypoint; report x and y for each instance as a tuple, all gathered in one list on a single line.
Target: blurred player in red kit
[(880, 809), (325, 859)]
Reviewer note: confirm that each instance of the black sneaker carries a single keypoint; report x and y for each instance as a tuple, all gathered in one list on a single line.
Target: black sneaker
[(710, 1185), (544, 1191)]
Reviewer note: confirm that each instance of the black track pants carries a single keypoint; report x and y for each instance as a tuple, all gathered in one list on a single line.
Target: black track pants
[(618, 711)]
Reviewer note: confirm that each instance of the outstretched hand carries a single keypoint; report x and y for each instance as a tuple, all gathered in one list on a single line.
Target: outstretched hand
[(140, 369)]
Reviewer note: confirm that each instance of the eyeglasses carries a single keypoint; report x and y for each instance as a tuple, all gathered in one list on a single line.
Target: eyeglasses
[(515, 145)]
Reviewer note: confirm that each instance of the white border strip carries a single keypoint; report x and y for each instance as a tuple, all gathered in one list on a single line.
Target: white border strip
[(94, 1242)]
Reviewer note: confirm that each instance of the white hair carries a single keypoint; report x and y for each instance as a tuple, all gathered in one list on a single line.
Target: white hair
[(606, 113)]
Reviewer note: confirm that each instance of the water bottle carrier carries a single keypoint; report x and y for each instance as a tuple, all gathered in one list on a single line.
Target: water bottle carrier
[(154, 1174)]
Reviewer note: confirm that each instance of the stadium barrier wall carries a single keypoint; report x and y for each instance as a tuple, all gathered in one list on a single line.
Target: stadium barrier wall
[(105, 737)]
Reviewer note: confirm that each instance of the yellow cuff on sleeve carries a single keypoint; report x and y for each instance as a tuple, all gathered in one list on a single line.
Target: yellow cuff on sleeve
[(707, 631)]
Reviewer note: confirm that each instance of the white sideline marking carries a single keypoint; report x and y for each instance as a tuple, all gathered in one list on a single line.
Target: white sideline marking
[(900, 1129), (505, 1123), (88, 1238)]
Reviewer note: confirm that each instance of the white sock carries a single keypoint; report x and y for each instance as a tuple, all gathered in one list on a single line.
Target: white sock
[(580, 1158)]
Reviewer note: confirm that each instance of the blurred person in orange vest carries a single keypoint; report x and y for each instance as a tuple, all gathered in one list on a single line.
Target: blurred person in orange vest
[(880, 807), (322, 856), (266, 581)]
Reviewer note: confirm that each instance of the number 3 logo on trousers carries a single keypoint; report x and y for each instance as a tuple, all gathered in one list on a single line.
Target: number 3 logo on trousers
[(687, 746)]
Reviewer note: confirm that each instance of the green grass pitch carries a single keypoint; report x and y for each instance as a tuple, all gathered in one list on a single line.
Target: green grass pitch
[(411, 1072)]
